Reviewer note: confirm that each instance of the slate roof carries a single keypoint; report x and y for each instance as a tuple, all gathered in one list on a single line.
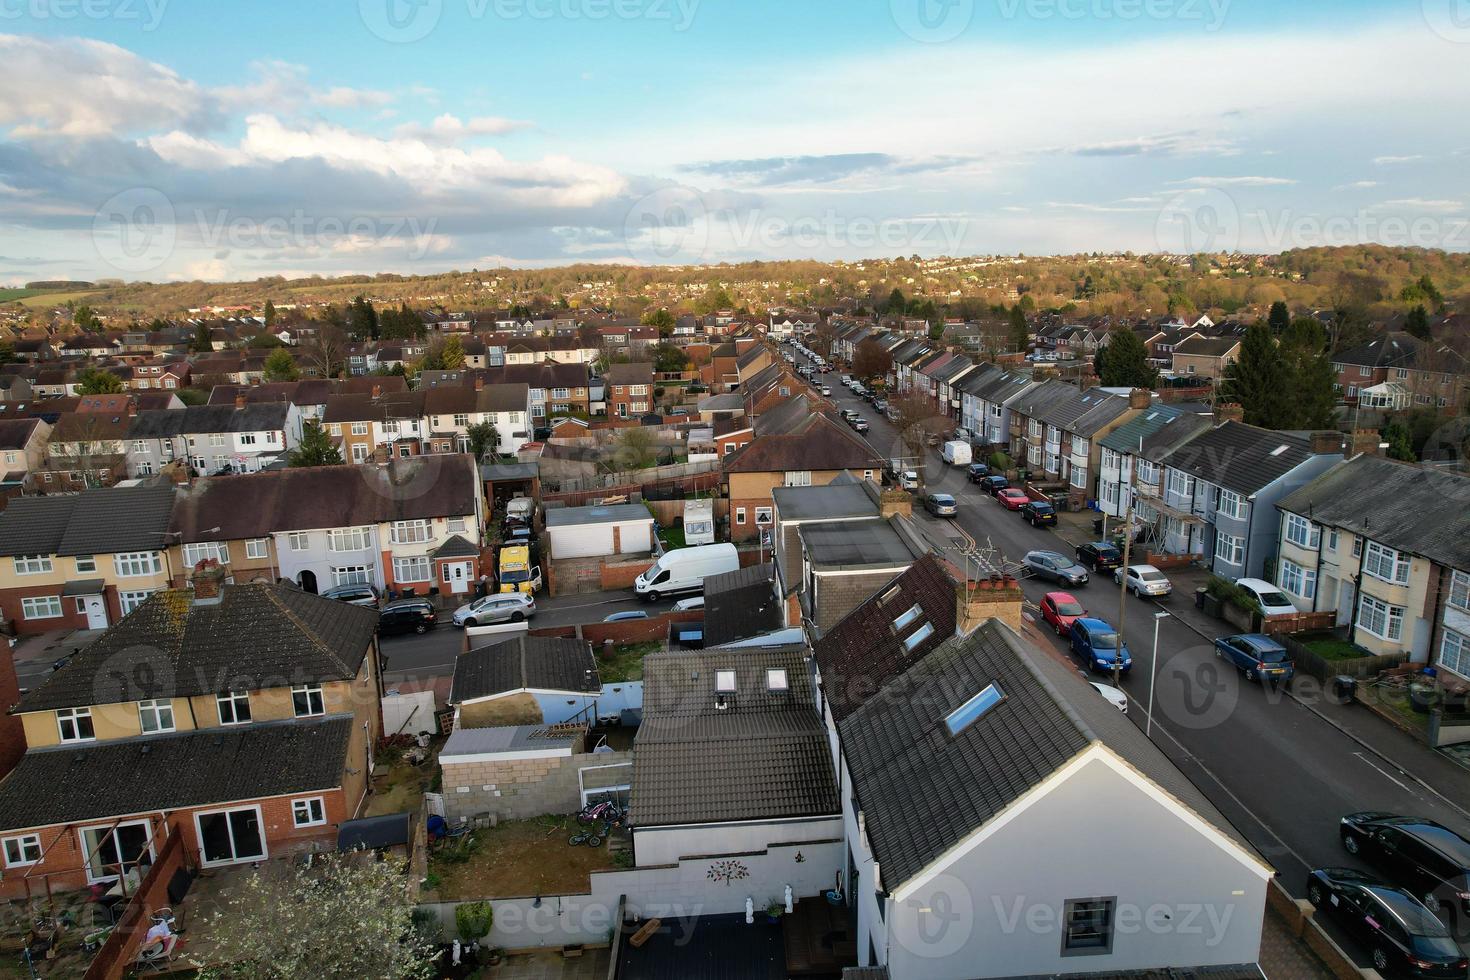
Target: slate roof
[(921, 790), (1200, 346), (741, 604), (525, 662), (94, 522), (817, 444), (634, 373), (863, 651), (764, 757), (1390, 350), (257, 636), (611, 514), (166, 423), (456, 546), (1418, 509), (1069, 408), (1241, 457), (15, 433), (168, 772), (1125, 438)]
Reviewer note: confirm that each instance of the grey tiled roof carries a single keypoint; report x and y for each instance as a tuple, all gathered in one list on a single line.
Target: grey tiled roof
[(1125, 438), (168, 772), (525, 662), (1418, 509), (1240, 457), (741, 604), (256, 636), (95, 522), (254, 417)]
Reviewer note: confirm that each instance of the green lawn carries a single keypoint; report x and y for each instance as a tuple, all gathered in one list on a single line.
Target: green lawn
[(11, 295), (1331, 648), (626, 663)]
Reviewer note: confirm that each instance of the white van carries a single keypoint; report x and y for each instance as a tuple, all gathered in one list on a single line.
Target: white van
[(685, 569), (957, 453)]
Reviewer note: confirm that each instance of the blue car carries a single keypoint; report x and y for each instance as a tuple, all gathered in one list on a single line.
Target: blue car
[(1099, 646), (1257, 656)]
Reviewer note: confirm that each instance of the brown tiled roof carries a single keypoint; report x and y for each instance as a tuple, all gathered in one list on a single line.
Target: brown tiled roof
[(818, 444)]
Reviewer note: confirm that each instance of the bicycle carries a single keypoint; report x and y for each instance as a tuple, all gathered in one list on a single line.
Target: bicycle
[(606, 810), (589, 837)]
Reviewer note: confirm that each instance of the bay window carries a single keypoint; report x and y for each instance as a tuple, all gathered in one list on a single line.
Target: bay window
[(1454, 653), (1297, 580), (1380, 619), (134, 564), (1229, 548), (1386, 563)]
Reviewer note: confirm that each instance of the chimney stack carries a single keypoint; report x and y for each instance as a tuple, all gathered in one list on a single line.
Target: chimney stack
[(1365, 442), (998, 597), (239, 401), (208, 574), (1325, 443), (1140, 398), (479, 383), (377, 392), (1230, 412)]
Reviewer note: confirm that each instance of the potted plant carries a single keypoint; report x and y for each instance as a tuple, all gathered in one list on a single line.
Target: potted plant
[(774, 910), (473, 920)]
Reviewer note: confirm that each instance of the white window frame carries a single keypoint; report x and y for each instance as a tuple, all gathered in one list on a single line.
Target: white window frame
[(1079, 477), (1181, 484), (40, 607), (739, 515), (31, 564), (777, 680), (86, 563), (234, 699), (1460, 590), (411, 532), (161, 711), (316, 700), (1229, 548), (725, 682), (128, 601), (1297, 580), (299, 541), (798, 478), (1302, 532), (1454, 653), (137, 564), (313, 808), (197, 551), (18, 848), (359, 428), (1231, 504), (352, 575), (74, 717), (413, 569), (1392, 628), (257, 548), (1386, 564), (350, 539)]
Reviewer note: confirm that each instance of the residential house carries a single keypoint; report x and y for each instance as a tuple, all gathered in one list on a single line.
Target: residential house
[(1205, 357), (452, 410), (238, 438), (1131, 453), (984, 397), (1387, 546), (1399, 371), (23, 449), (1055, 427), (85, 449), (629, 389), (242, 718), (85, 560)]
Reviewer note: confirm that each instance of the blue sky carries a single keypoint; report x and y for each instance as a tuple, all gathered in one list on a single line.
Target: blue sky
[(166, 139)]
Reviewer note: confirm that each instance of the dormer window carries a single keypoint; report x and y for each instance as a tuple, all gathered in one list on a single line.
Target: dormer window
[(307, 700), (725, 682), (776, 679)]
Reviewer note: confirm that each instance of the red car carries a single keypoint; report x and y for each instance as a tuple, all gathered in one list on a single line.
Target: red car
[(1013, 499), (1060, 609)]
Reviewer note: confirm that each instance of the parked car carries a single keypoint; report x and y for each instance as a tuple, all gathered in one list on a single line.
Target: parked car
[(880, 404), (1039, 513), (1059, 610), (939, 504), (1402, 936), (1430, 860), (623, 617), (825, 389), (1272, 600), (691, 604), (1054, 566), (498, 607), (406, 616), (359, 594), (1099, 646), (1012, 498), (1257, 656), (860, 425), (1099, 555), (909, 480), (848, 414), (994, 484), (1144, 580), (977, 472), (1114, 696)]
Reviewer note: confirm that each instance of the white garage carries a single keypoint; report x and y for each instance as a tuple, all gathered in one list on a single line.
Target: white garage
[(593, 532)]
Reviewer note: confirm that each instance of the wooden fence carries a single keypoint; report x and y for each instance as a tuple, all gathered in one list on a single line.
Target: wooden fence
[(1308, 661), (1302, 622), (117, 955)]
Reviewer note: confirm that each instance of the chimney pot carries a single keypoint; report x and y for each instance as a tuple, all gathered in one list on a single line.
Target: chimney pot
[(240, 401), (1230, 412)]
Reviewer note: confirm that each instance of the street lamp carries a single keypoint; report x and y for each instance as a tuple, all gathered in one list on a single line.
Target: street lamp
[(1153, 674)]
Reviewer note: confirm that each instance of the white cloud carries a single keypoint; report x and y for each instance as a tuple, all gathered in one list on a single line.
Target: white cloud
[(1236, 182), (449, 128), (342, 97), (1357, 185), (1441, 206), (1393, 161)]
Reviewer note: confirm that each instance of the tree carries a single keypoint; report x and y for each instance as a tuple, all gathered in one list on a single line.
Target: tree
[(362, 319), (281, 366), (669, 358), (714, 300), (203, 342), (634, 450), (7, 352), (316, 448), (484, 438), (1418, 323), (192, 396), (897, 305), (918, 420), (1279, 318), (870, 360), (85, 319), (326, 350), (1260, 381), (452, 355), (295, 924), (1400, 441), (95, 382), (662, 319), (1125, 362), (270, 314), (1020, 333)]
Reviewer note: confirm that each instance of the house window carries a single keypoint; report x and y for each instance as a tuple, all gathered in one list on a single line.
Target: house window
[(1229, 548), (359, 428), (455, 524), (22, 850), (310, 812), (1033, 455), (1231, 505), (1460, 590), (1079, 477), (1301, 532), (1365, 371), (1180, 484), (200, 551), (307, 700), (156, 716), (725, 681), (247, 438), (918, 636), (764, 515), (40, 607), (350, 539), (1297, 580), (739, 515), (31, 564), (299, 540), (461, 419), (75, 724), (798, 478), (128, 601), (257, 548), (414, 569), (1148, 472), (134, 564), (1386, 564), (335, 429), (1087, 926), (217, 440), (968, 713), (86, 563), (776, 679), (410, 532), (350, 575), (1454, 652), (234, 707), (1357, 547), (1332, 541), (1380, 619)]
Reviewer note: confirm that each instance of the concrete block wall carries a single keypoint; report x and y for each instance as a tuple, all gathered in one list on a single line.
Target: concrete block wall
[(518, 789)]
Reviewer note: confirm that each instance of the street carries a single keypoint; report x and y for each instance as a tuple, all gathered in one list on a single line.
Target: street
[(1280, 773)]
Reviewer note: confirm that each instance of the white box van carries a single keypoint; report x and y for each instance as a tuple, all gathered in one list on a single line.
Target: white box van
[(957, 453), (685, 569)]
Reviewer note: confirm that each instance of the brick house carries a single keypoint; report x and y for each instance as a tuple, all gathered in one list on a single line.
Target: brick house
[(1205, 357), (629, 389)]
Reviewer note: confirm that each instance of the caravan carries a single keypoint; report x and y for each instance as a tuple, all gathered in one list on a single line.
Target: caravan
[(699, 522)]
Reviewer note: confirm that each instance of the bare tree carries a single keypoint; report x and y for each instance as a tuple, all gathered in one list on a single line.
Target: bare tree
[(327, 350)]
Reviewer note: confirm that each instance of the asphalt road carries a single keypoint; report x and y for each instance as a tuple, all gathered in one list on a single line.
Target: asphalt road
[(1281, 774)]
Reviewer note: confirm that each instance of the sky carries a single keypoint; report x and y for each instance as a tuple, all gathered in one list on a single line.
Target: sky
[(183, 139)]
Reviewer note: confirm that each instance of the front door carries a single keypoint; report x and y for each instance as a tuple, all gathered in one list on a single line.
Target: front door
[(108, 850), (459, 576), (231, 836), (96, 611)]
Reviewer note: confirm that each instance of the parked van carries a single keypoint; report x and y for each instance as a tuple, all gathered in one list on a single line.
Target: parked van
[(685, 569), (520, 509), (957, 453)]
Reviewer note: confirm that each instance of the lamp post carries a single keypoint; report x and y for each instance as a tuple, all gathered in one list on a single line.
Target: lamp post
[(1153, 674)]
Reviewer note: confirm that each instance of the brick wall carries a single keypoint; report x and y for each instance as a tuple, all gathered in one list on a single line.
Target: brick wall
[(517, 789), (620, 575), (12, 730)]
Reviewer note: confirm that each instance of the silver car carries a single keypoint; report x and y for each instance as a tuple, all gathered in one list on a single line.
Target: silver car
[(1144, 580), (503, 607), (1055, 567)]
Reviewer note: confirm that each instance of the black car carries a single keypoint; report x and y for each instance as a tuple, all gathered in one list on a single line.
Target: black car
[(994, 484), (406, 616), (1430, 860), (1402, 936), (1100, 555), (1039, 513), (977, 472)]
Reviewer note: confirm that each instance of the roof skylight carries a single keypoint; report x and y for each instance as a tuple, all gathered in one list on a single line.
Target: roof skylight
[(968, 713)]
